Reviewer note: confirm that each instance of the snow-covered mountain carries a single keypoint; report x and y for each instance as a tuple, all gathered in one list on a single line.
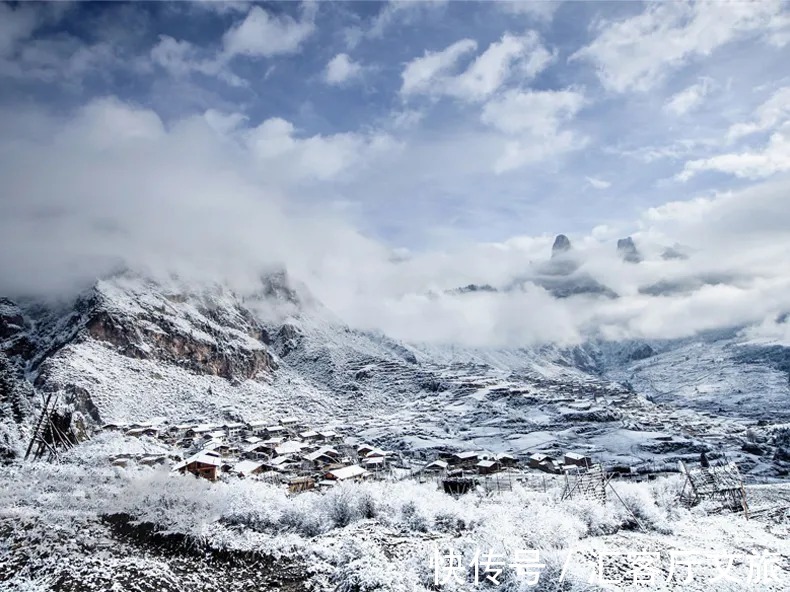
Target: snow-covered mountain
[(132, 349)]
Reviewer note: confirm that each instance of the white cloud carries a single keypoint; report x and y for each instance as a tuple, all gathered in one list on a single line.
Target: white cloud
[(276, 145), (636, 53), (539, 10), (180, 59), (113, 184), (404, 12), (521, 57), (689, 98), (341, 69), (755, 164), (596, 183), (420, 73), (262, 34), (774, 111), (533, 120)]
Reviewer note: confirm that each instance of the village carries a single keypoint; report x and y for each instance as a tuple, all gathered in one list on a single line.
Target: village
[(299, 457)]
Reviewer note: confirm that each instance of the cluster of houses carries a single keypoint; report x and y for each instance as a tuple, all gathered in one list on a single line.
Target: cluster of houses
[(283, 452), (484, 463), (291, 453)]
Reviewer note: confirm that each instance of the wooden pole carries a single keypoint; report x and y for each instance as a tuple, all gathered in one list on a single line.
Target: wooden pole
[(38, 425)]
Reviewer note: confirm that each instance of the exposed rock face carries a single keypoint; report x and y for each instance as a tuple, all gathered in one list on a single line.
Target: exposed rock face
[(562, 245), (641, 352), (628, 251), (474, 288), (287, 339), (13, 330)]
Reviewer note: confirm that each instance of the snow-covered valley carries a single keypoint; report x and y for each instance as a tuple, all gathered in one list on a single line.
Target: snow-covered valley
[(134, 351)]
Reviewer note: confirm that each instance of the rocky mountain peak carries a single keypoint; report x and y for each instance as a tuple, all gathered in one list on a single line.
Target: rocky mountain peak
[(562, 245), (628, 251)]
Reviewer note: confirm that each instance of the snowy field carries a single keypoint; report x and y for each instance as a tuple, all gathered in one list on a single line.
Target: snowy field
[(82, 525)]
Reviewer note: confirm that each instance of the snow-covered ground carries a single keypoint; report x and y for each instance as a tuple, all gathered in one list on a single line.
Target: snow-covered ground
[(84, 525)]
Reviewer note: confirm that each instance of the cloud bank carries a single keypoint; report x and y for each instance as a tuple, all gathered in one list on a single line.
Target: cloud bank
[(214, 197)]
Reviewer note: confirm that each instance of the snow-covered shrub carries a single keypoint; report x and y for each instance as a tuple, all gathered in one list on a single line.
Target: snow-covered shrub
[(666, 492), (366, 505), (637, 507), (339, 505), (363, 567), (597, 518), (413, 518)]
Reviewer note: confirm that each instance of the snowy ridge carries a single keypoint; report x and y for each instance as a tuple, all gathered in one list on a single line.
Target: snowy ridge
[(131, 349)]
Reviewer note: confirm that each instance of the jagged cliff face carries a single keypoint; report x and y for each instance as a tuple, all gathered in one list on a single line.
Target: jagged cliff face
[(209, 334)]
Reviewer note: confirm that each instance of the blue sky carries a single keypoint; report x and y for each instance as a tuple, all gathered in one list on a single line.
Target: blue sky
[(486, 158), (387, 153)]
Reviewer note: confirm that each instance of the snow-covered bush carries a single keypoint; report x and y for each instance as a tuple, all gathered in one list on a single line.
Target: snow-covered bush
[(637, 507)]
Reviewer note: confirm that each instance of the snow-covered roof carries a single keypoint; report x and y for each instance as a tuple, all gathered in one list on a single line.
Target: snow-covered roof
[(279, 461), (308, 434), (206, 458), (247, 467), (289, 420), (486, 464), (468, 454), (256, 424), (437, 463), (252, 440), (576, 456), (314, 456), (348, 472), (379, 460), (289, 447), (274, 441)]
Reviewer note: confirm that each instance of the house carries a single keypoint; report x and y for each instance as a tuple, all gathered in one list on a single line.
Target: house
[(537, 460), (274, 430), (252, 440), (288, 447), (506, 459), (349, 473), (437, 466), (298, 484), (466, 459), (328, 435), (280, 463), (113, 427), (233, 429), (375, 464), (257, 428), (308, 436), (486, 467), (364, 449), (577, 459), (324, 455), (289, 421), (200, 430), (248, 467), (543, 462), (203, 464), (259, 451)]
